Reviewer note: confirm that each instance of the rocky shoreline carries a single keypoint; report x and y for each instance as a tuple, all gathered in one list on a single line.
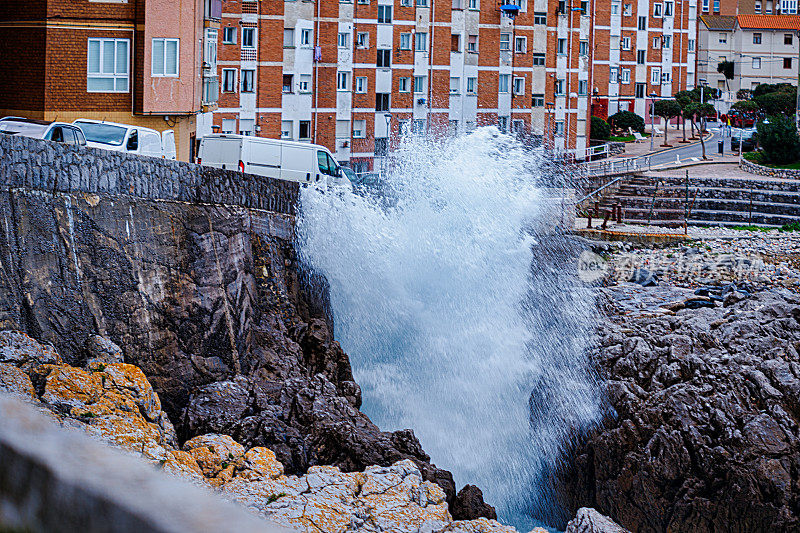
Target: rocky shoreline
[(698, 349)]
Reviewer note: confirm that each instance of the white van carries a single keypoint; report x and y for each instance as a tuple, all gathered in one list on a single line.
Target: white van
[(283, 160), (127, 138)]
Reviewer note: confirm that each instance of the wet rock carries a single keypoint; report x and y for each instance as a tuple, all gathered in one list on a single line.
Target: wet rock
[(469, 504), (643, 277), (705, 436), (590, 521)]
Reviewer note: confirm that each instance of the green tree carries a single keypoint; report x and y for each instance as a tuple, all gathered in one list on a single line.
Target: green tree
[(667, 109), (623, 120), (779, 140), (726, 69), (746, 106), (777, 102), (600, 129), (684, 98), (766, 88), (700, 112)]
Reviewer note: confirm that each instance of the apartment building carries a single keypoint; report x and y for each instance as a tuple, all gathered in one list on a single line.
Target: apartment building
[(642, 48), (134, 61), (763, 48), (354, 76)]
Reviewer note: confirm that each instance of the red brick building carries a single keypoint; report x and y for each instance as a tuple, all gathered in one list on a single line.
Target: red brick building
[(134, 61)]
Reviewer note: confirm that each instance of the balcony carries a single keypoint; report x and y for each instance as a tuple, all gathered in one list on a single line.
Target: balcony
[(213, 10), (250, 7)]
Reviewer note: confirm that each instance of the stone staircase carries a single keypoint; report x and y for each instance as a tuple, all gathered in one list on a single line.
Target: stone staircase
[(711, 200)]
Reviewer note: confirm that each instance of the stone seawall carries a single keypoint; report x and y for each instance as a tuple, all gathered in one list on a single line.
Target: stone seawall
[(761, 170), (55, 167)]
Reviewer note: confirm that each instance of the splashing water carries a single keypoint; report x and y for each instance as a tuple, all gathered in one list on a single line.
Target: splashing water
[(461, 321)]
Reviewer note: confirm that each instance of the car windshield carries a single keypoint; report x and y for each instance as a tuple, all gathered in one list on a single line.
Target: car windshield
[(102, 133), (26, 129)]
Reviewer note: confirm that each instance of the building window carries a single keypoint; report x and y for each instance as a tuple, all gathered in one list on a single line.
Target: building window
[(615, 8), (666, 41), (642, 23), (471, 84), (305, 37), (342, 129), (505, 41), (788, 7), (613, 76), (583, 48), (758, 6), (503, 83), (582, 87), (108, 65), (502, 124), (422, 3), (164, 61), (666, 77), (668, 9), (756, 38), (655, 76), (286, 129), (359, 129), (473, 4), (288, 83), (787, 62), (381, 101), (248, 77), (561, 47), (626, 43), (248, 37), (657, 10), (472, 43), (247, 126), (361, 84), (537, 100), (640, 57), (627, 10), (304, 131), (362, 39), (625, 76), (787, 39), (640, 89), (559, 128), (229, 35), (343, 81), (656, 42), (540, 17), (421, 41), (723, 38), (404, 84), (384, 14), (455, 42), (229, 80), (228, 125), (559, 88), (691, 45), (288, 37), (210, 89), (455, 85), (405, 41), (344, 40), (538, 60), (706, 5), (419, 84), (519, 86), (384, 58)]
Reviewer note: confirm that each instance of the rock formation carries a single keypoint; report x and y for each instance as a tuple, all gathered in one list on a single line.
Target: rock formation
[(707, 426), (114, 402)]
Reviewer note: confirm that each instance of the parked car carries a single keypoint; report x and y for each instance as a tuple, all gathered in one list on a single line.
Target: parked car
[(284, 160), (748, 138), (127, 138), (43, 129)]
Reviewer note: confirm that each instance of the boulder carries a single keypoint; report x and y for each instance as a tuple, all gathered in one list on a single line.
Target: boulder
[(99, 349), (590, 521), (469, 504)]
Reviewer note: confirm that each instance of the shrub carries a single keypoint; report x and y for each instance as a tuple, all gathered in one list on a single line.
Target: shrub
[(623, 120), (747, 106), (600, 129), (779, 140), (777, 102)]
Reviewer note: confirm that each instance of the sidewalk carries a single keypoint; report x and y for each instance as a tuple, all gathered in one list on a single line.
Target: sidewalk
[(674, 136)]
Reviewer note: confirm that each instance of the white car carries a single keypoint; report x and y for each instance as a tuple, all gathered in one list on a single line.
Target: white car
[(274, 158), (43, 129), (127, 138)]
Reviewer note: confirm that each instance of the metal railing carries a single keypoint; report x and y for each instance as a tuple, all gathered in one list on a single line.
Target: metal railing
[(611, 167)]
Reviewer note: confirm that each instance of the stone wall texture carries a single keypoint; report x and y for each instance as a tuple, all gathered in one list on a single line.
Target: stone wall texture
[(753, 168), (55, 167)]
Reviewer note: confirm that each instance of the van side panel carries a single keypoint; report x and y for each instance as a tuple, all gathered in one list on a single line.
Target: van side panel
[(263, 158), (220, 152), (298, 163), (168, 143)]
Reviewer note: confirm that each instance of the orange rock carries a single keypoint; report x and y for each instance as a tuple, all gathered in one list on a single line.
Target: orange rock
[(15, 381)]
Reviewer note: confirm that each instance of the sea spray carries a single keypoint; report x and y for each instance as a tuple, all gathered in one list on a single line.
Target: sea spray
[(455, 303)]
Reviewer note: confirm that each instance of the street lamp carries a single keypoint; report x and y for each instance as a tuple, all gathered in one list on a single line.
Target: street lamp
[(550, 131), (652, 118)]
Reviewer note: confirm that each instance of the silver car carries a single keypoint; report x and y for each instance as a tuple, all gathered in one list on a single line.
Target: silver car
[(41, 129)]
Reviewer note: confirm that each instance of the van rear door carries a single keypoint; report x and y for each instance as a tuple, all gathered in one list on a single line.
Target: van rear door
[(221, 152), (168, 142), (298, 163)]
